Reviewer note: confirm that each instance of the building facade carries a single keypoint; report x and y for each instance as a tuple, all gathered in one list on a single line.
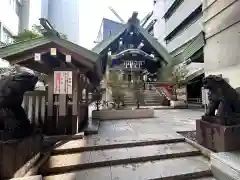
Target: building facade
[(222, 27), (17, 15), (179, 28), (64, 15), (108, 28), (10, 12)]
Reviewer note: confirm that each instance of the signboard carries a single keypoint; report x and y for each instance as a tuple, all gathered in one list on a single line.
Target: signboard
[(133, 64), (182, 93), (62, 82)]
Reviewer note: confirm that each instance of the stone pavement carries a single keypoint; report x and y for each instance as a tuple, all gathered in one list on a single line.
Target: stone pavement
[(166, 121), (132, 149)]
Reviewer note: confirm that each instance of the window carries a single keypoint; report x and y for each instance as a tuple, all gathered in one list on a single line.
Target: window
[(7, 37), (176, 4), (192, 18)]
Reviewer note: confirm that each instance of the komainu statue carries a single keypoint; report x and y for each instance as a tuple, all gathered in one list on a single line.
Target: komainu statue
[(13, 118), (223, 98)]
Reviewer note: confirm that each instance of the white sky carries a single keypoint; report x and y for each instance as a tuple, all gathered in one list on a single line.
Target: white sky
[(92, 12)]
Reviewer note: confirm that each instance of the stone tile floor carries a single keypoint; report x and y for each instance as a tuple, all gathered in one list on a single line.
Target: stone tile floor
[(166, 123)]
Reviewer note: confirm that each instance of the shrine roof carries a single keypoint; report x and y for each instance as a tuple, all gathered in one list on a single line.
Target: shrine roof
[(104, 45), (25, 50)]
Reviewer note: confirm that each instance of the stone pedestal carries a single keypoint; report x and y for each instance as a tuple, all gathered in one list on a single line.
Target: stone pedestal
[(178, 104), (17, 156), (217, 137), (113, 114)]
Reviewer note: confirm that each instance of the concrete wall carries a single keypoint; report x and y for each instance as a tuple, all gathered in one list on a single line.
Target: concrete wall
[(185, 36), (159, 27), (168, 4), (222, 27), (182, 12)]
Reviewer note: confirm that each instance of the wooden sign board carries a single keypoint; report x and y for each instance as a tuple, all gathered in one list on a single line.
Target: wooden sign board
[(62, 82)]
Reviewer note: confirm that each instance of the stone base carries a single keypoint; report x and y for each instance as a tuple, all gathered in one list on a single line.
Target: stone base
[(178, 104), (217, 137), (122, 114), (38, 177), (17, 156)]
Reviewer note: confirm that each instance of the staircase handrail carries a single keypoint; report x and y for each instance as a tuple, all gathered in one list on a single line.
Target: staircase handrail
[(160, 92)]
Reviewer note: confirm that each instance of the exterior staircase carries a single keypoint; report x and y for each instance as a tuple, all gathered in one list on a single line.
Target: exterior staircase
[(142, 157), (151, 97), (154, 98)]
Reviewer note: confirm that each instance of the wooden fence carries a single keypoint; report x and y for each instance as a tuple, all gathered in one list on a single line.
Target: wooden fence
[(35, 105)]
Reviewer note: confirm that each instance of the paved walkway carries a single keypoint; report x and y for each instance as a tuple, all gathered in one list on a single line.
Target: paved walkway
[(166, 121), (132, 150)]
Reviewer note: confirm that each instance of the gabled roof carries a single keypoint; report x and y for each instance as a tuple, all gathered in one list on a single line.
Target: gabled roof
[(103, 46), (18, 48)]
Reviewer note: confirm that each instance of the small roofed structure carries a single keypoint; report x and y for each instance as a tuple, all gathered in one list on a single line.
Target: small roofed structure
[(72, 70)]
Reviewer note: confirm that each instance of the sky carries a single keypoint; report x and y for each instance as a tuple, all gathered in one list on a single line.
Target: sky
[(93, 11)]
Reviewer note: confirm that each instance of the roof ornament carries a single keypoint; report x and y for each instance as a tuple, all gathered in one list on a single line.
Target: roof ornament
[(49, 29)]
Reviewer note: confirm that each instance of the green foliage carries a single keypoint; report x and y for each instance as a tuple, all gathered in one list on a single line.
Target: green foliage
[(116, 85), (138, 92), (37, 31), (173, 73), (28, 34)]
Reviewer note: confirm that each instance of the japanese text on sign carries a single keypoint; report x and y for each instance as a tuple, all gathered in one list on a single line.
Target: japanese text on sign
[(62, 82)]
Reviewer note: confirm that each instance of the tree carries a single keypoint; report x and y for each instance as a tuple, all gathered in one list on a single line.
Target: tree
[(115, 83), (175, 74)]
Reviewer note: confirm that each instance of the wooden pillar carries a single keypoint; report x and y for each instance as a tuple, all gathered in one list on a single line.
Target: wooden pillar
[(50, 123), (87, 102), (62, 115), (75, 102), (80, 101)]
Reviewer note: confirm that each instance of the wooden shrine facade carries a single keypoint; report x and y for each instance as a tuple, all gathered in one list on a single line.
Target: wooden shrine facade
[(72, 73)]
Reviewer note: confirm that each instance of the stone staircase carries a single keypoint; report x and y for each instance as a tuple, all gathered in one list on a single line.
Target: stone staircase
[(153, 98), (142, 157), (150, 98)]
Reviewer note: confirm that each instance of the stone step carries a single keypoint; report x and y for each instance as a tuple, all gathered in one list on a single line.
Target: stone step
[(89, 144), (205, 178), (226, 165), (107, 157), (176, 168)]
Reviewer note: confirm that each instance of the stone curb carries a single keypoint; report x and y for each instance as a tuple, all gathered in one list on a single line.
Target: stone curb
[(46, 170), (117, 145), (38, 177), (205, 152), (45, 156), (195, 175), (93, 129)]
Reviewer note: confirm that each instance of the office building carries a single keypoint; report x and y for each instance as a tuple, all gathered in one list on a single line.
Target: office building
[(179, 28), (64, 15), (10, 11), (17, 15)]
